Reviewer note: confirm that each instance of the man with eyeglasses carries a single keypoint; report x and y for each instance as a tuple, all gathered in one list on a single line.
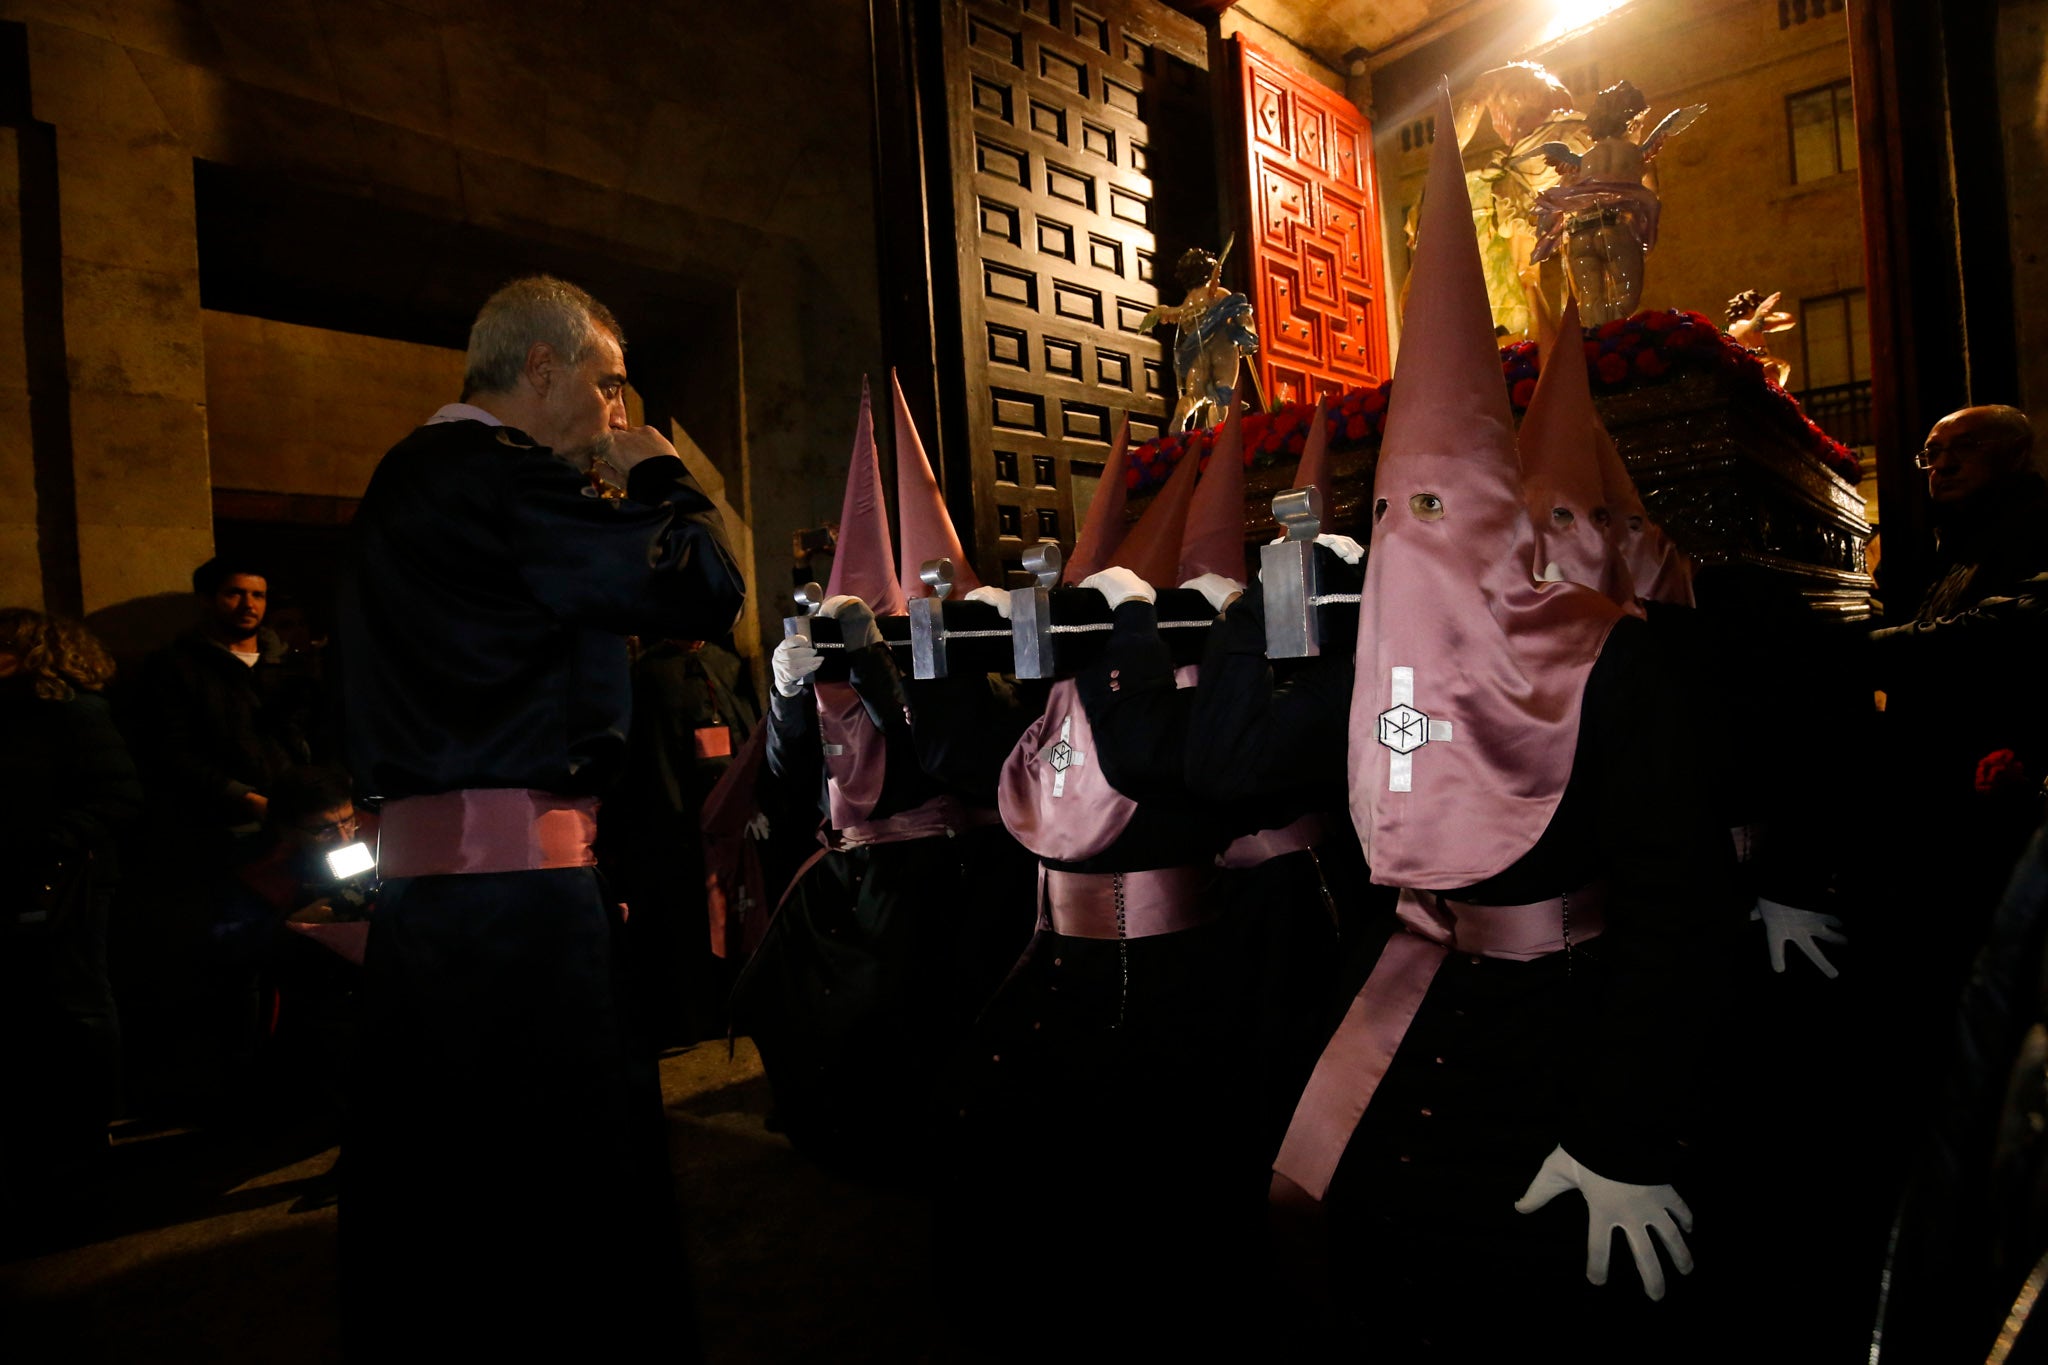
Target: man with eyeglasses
[(281, 1003), (1953, 791), (1990, 512)]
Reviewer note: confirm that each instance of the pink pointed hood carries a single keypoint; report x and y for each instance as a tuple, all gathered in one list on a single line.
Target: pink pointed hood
[(1214, 539), (923, 529), (1104, 532), (1465, 712), (1659, 569), (1577, 538), (1152, 549), (1315, 453), (864, 565)]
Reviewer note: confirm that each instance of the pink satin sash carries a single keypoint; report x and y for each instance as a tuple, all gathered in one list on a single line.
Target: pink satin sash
[(940, 815), (1355, 1060), (1161, 900), (1263, 846), (485, 829)]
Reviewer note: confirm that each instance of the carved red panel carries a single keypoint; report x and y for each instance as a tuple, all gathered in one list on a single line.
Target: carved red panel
[(1314, 244)]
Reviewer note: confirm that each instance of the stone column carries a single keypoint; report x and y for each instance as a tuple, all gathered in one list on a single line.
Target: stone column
[(129, 271), (21, 574)]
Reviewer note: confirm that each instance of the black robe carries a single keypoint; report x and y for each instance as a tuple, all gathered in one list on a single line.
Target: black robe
[(505, 1186), (1108, 1182), (1268, 737), (879, 954), (650, 842), (1597, 1049)]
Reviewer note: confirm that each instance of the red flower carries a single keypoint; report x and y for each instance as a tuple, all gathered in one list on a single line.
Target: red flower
[(1607, 331), (1612, 368), (1375, 399), (1649, 363), (1523, 391), (1999, 772), (1660, 321), (1296, 441), (1593, 352), (1355, 427)]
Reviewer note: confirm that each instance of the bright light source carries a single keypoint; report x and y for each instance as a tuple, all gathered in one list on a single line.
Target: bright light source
[(1569, 16), (351, 860)]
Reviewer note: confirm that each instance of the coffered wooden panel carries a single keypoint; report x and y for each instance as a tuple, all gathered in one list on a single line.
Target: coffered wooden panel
[(1059, 115), (1314, 249)]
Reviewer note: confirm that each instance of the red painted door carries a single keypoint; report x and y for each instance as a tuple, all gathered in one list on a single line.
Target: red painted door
[(1315, 238)]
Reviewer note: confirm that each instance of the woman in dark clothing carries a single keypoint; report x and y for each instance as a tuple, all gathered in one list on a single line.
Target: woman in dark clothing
[(67, 789)]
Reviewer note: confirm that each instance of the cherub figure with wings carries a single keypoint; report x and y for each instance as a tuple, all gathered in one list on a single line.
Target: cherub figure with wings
[(1752, 318), (1600, 212)]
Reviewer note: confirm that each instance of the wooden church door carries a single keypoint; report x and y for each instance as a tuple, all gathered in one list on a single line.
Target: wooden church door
[(1059, 116), (1314, 254)]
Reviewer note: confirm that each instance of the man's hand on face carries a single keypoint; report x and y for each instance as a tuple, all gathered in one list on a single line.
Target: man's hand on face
[(634, 444)]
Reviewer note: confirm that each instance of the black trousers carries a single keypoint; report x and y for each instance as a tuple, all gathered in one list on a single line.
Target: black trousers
[(505, 1181)]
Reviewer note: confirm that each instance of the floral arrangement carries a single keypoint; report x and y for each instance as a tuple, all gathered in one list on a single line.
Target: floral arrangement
[(1650, 348)]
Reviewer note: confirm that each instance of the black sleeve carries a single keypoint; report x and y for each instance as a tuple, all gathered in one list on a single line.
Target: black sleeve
[(1251, 734), (170, 732), (965, 727), (1998, 633), (656, 563), (1139, 717), (795, 752), (1671, 882)]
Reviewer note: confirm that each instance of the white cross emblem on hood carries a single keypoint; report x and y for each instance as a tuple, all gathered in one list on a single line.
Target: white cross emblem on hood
[(1403, 730)]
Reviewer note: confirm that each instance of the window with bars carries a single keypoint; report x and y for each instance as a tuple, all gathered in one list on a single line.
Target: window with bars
[(1822, 128), (1836, 332)]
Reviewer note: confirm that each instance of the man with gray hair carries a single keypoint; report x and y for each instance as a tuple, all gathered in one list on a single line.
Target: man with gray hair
[(506, 1188)]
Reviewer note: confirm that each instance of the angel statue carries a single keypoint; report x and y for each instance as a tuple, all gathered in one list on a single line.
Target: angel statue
[(1526, 107), (1213, 329), (1751, 321), (1600, 211)]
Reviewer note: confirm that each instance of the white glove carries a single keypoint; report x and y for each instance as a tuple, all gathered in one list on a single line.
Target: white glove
[(794, 661), (1785, 924), (856, 620), (1118, 586), (1214, 586), (1344, 547), (995, 597), (1635, 1209), (757, 828)]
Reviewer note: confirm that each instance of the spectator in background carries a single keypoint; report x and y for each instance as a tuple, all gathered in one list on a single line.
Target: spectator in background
[(693, 709), (1966, 741), (218, 713), (212, 718), (286, 1004), (67, 790)]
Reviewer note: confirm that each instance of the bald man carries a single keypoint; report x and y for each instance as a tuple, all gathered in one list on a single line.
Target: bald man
[(1990, 508), (1961, 675)]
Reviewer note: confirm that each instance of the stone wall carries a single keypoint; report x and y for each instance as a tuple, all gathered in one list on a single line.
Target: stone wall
[(725, 148)]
